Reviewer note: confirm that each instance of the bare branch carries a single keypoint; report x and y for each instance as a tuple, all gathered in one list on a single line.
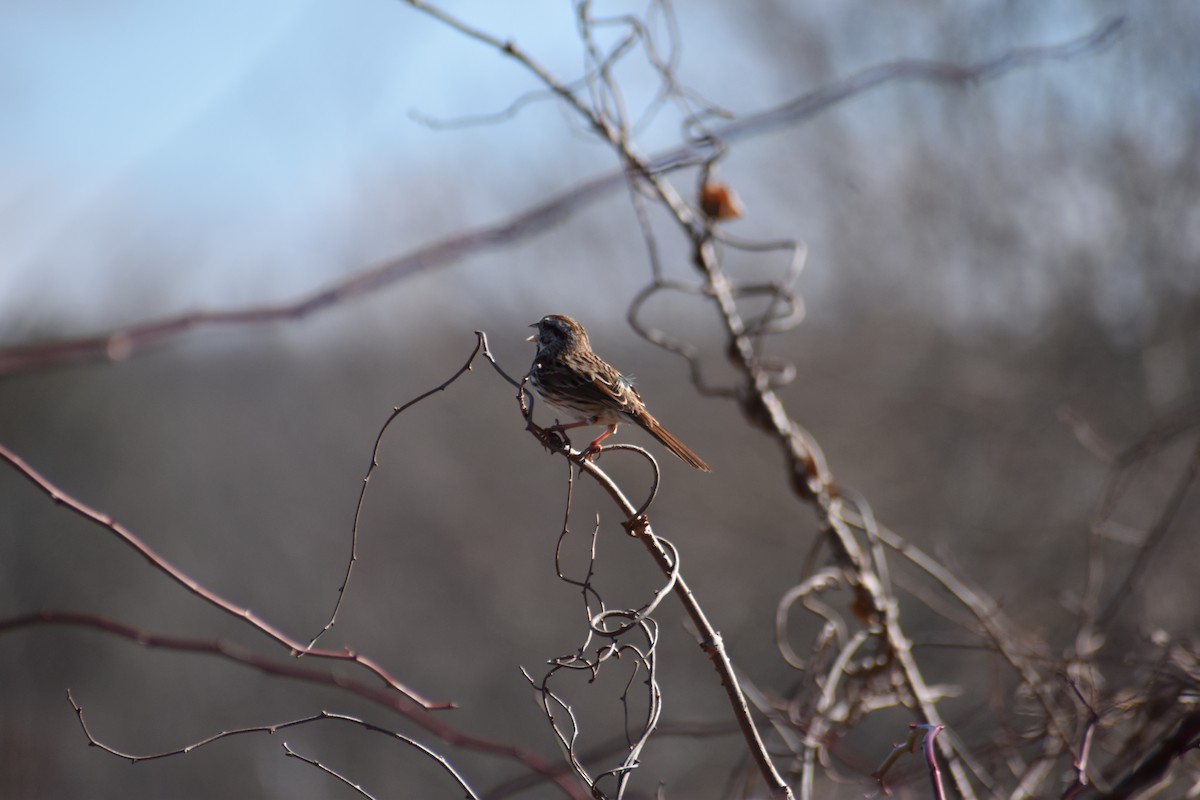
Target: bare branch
[(434, 724), (480, 343), (122, 343), (1154, 536), (159, 563), (638, 524), (271, 729), (288, 751), (935, 72), (1185, 738)]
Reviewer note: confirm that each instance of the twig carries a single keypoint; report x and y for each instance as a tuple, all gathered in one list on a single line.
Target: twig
[(587, 657), (385, 698), (1185, 738), (1085, 746), (991, 621), (1154, 537), (615, 745), (638, 524), (286, 669), (159, 563), (710, 640), (938, 72), (935, 774), (480, 343), (288, 751), (271, 729)]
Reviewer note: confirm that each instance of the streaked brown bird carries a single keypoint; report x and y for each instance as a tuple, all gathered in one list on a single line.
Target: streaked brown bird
[(580, 384)]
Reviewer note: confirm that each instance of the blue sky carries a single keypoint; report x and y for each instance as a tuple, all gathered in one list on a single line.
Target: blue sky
[(159, 156), (148, 123)]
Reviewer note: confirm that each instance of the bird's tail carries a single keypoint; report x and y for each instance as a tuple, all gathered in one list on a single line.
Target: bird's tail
[(674, 445)]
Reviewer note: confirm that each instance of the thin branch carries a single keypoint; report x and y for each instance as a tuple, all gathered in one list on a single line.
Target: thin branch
[(123, 343), (433, 724), (480, 342), (990, 618), (615, 745), (1185, 738), (292, 669), (710, 640), (487, 118), (936, 72), (1154, 537), (288, 751), (181, 578), (638, 524), (1085, 746), (935, 774), (271, 729)]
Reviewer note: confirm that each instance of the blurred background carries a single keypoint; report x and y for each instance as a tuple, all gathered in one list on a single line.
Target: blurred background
[(978, 260)]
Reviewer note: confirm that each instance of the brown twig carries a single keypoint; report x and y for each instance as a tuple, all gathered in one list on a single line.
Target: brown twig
[(1085, 746), (291, 669), (480, 343), (935, 774), (638, 524), (123, 534), (615, 745), (588, 657), (290, 753), (710, 640), (274, 728), (433, 724)]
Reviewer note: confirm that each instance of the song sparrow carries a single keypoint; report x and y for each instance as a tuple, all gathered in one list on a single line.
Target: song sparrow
[(576, 381)]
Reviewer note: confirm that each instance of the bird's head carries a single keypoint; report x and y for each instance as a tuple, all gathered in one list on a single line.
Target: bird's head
[(555, 331)]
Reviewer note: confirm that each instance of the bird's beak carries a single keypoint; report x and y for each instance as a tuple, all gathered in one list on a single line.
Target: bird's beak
[(532, 338)]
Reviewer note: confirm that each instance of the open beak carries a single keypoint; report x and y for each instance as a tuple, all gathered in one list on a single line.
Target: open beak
[(533, 338)]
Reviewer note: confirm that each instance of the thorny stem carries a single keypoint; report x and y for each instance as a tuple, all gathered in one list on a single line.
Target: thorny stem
[(710, 640)]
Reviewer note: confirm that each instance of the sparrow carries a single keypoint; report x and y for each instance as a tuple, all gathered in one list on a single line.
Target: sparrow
[(574, 380)]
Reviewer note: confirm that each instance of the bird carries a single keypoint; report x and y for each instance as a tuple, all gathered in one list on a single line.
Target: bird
[(576, 381)]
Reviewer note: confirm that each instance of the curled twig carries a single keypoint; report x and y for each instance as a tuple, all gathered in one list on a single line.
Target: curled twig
[(924, 734), (480, 344), (270, 729)]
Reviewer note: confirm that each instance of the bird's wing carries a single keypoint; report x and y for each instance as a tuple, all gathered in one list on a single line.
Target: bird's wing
[(617, 388)]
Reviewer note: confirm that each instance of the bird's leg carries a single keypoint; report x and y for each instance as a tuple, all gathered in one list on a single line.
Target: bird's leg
[(555, 431), (593, 449), (559, 427)]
